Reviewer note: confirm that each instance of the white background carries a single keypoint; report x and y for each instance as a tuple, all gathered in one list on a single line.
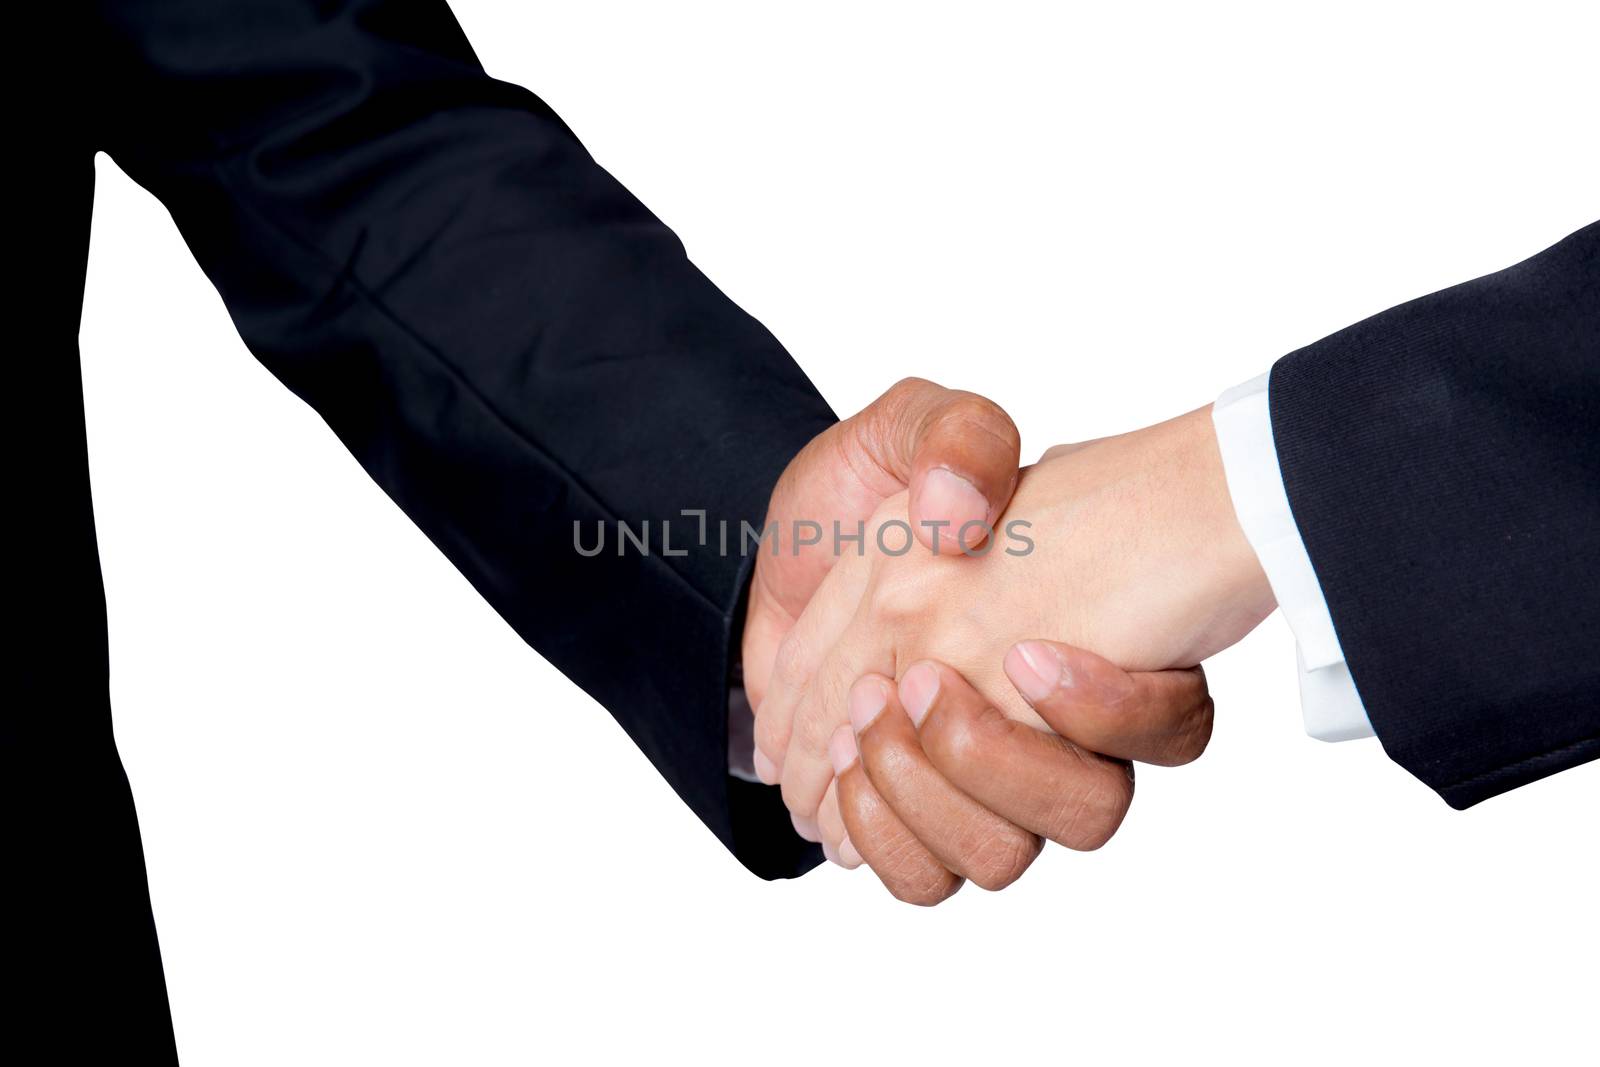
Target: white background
[(381, 830)]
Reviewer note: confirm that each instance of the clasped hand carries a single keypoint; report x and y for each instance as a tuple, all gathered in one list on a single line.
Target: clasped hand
[(939, 714)]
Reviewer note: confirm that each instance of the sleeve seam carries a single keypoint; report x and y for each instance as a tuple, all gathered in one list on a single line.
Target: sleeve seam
[(1485, 776)]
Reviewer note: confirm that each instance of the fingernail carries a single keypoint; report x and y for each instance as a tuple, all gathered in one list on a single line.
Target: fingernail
[(1034, 668), (831, 854), (947, 495), (848, 856), (867, 700), (842, 749), (766, 770), (806, 828), (917, 690)]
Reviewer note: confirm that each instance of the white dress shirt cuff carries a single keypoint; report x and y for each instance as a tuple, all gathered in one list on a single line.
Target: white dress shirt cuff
[(1328, 699)]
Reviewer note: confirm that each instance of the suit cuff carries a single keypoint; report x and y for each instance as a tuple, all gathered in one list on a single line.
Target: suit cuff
[(1329, 702)]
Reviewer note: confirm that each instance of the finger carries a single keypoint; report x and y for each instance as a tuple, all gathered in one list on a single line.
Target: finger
[(957, 451), (806, 828), (1038, 781), (1160, 717), (877, 836), (968, 838), (801, 653), (841, 752), (765, 627), (822, 708), (829, 824)]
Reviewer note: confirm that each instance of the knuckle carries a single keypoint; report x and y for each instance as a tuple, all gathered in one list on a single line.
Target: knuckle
[(1198, 734), (771, 733), (1188, 740), (925, 887), (789, 664), (812, 728), (956, 742), (905, 392), (1001, 858), (1087, 820), (949, 741), (887, 757), (901, 406), (981, 413), (891, 508), (898, 595), (800, 797)]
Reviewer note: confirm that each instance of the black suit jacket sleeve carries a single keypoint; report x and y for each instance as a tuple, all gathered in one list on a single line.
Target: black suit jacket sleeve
[(1442, 460), (505, 338)]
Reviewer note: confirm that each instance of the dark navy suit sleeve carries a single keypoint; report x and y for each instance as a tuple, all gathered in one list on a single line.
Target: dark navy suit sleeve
[(1442, 460), (505, 338)]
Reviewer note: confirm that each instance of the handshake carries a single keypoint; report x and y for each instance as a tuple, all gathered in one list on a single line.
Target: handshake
[(956, 661), (971, 658)]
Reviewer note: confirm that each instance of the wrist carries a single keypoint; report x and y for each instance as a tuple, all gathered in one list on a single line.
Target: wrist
[(1155, 536), (1237, 595)]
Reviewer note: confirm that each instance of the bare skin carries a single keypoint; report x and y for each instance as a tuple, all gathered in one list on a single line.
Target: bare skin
[(1138, 557)]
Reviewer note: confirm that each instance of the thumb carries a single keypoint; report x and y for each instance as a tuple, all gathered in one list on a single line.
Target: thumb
[(1160, 717), (956, 451)]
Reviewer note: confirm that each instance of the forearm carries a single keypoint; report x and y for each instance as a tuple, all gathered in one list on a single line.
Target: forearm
[(508, 341)]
